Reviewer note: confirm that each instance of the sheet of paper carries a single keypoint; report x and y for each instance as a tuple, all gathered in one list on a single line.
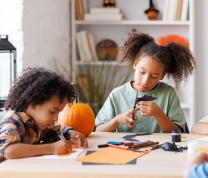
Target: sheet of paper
[(75, 154), (134, 161), (111, 155)]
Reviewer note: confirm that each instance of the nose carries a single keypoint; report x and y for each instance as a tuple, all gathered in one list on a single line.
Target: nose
[(55, 117), (145, 80)]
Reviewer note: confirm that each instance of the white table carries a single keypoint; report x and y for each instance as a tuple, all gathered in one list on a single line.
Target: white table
[(157, 164)]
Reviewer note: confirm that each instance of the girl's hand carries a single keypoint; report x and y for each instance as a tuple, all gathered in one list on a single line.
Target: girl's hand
[(129, 118), (148, 108), (78, 138), (61, 147)]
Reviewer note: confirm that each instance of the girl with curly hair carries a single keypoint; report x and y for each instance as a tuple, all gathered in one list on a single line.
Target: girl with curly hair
[(151, 63), (34, 101)]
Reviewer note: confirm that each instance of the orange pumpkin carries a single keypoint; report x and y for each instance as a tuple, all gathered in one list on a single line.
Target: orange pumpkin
[(79, 116), (165, 40)]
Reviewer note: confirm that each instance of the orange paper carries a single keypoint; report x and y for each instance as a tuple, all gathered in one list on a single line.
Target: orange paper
[(111, 155), (71, 150)]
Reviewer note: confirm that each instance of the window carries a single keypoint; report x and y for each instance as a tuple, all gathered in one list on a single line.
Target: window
[(11, 12)]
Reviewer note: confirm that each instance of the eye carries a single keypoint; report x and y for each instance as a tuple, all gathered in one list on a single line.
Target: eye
[(142, 72), (52, 112), (154, 76)]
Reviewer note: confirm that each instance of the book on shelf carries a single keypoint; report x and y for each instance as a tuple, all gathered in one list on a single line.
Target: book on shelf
[(179, 10), (86, 46), (184, 11), (98, 10), (92, 46), (170, 11), (80, 47), (80, 9), (175, 10), (97, 13), (103, 17)]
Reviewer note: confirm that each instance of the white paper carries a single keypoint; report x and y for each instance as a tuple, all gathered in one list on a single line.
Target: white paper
[(78, 152)]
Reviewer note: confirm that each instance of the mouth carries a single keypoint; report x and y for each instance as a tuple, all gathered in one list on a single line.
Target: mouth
[(52, 124), (143, 88), (49, 125)]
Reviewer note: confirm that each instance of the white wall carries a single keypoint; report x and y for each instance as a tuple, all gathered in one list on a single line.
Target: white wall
[(46, 36), (201, 39), (46, 33)]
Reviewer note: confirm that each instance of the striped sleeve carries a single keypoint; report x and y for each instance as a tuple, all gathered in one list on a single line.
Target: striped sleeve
[(9, 133), (199, 171)]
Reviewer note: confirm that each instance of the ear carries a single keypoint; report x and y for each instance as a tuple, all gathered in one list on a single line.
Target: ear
[(163, 75), (134, 65)]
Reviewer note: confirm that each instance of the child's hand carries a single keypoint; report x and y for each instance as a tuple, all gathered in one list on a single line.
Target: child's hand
[(129, 118), (196, 160), (78, 138), (61, 147), (148, 108)]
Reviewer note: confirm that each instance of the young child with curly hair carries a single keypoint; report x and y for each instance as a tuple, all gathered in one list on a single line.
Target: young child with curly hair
[(34, 101), (151, 63)]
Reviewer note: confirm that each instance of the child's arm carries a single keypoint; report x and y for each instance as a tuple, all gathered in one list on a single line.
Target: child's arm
[(109, 126), (52, 135), (129, 118), (150, 108), (164, 122), (197, 166), (20, 150)]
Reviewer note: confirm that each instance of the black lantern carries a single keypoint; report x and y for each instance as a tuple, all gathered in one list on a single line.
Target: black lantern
[(8, 67)]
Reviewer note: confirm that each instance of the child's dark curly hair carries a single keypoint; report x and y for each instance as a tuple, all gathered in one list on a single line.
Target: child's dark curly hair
[(176, 59), (35, 86)]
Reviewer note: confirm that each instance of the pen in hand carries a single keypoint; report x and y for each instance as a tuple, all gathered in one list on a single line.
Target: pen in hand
[(61, 137), (66, 144)]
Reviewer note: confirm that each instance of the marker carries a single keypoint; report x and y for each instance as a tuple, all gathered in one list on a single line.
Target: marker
[(61, 137), (115, 143), (103, 145), (119, 147)]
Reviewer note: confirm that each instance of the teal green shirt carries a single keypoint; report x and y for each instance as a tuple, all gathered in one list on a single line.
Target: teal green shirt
[(122, 99)]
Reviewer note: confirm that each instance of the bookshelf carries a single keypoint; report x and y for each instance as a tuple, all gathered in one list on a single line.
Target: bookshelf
[(135, 18)]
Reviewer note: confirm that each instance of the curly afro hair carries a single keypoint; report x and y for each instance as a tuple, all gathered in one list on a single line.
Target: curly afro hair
[(177, 60), (35, 86)]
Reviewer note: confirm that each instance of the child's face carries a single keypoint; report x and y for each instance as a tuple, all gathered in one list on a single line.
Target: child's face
[(148, 72), (46, 114)]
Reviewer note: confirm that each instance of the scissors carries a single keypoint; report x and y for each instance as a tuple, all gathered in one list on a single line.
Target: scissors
[(144, 98)]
